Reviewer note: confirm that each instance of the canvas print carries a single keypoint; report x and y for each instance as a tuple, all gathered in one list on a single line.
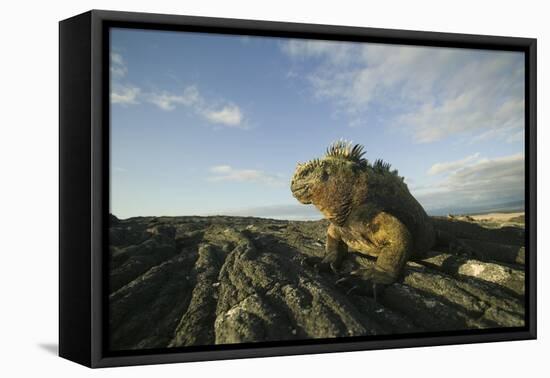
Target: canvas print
[(268, 190)]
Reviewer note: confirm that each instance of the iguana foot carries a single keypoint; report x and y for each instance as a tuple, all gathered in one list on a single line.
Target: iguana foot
[(363, 282), (323, 265), (318, 264), (327, 266)]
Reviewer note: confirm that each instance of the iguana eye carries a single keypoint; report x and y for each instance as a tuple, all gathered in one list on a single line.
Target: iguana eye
[(324, 175)]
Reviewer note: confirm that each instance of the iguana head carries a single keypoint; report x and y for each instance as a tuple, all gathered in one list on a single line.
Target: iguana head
[(318, 179), (307, 177)]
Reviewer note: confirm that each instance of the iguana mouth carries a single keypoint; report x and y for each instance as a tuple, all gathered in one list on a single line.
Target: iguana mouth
[(300, 188), (300, 192)]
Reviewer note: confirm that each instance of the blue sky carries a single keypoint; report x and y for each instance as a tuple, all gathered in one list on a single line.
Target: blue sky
[(205, 124)]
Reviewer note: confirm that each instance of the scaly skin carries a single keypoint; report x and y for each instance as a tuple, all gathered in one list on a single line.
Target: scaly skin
[(370, 210)]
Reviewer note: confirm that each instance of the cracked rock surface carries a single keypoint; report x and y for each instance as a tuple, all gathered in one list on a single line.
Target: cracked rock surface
[(183, 281)]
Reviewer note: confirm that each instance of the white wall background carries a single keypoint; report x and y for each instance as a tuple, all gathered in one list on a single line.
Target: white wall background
[(29, 186)]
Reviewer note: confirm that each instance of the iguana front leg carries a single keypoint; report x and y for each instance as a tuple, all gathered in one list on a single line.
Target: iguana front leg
[(335, 250), (393, 243), (395, 247)]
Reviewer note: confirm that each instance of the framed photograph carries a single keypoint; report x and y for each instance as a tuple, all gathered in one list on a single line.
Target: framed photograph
[(234, 188)]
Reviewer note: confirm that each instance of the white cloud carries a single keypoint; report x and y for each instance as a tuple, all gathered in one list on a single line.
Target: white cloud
[(121, 93), (221, 169), (125, 95), (336, 52), (450, 166), (471, 113), (228, 173), (229, 115), (475, 181), (434, 93), (226, 114), (118, 66), (167, 101)]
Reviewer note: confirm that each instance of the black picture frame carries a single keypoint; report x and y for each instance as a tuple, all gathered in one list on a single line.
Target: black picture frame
[(84, 184)]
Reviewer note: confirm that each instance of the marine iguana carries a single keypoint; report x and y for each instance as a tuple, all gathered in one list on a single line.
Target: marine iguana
[(370, 210)]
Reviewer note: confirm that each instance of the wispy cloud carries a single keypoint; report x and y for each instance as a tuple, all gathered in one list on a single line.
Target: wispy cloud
[(168, 101), (227, 173), (122, 92), (434, 93), (450, 166), (229, 115), (118, 65), (214, 111), (475, 181), (125, 95), (334, 52)]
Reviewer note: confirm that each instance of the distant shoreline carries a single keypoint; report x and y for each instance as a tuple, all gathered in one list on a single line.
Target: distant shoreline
[(497, 215), (489, 216)]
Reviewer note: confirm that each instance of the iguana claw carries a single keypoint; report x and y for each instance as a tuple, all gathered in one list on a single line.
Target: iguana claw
[(363, 283)]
